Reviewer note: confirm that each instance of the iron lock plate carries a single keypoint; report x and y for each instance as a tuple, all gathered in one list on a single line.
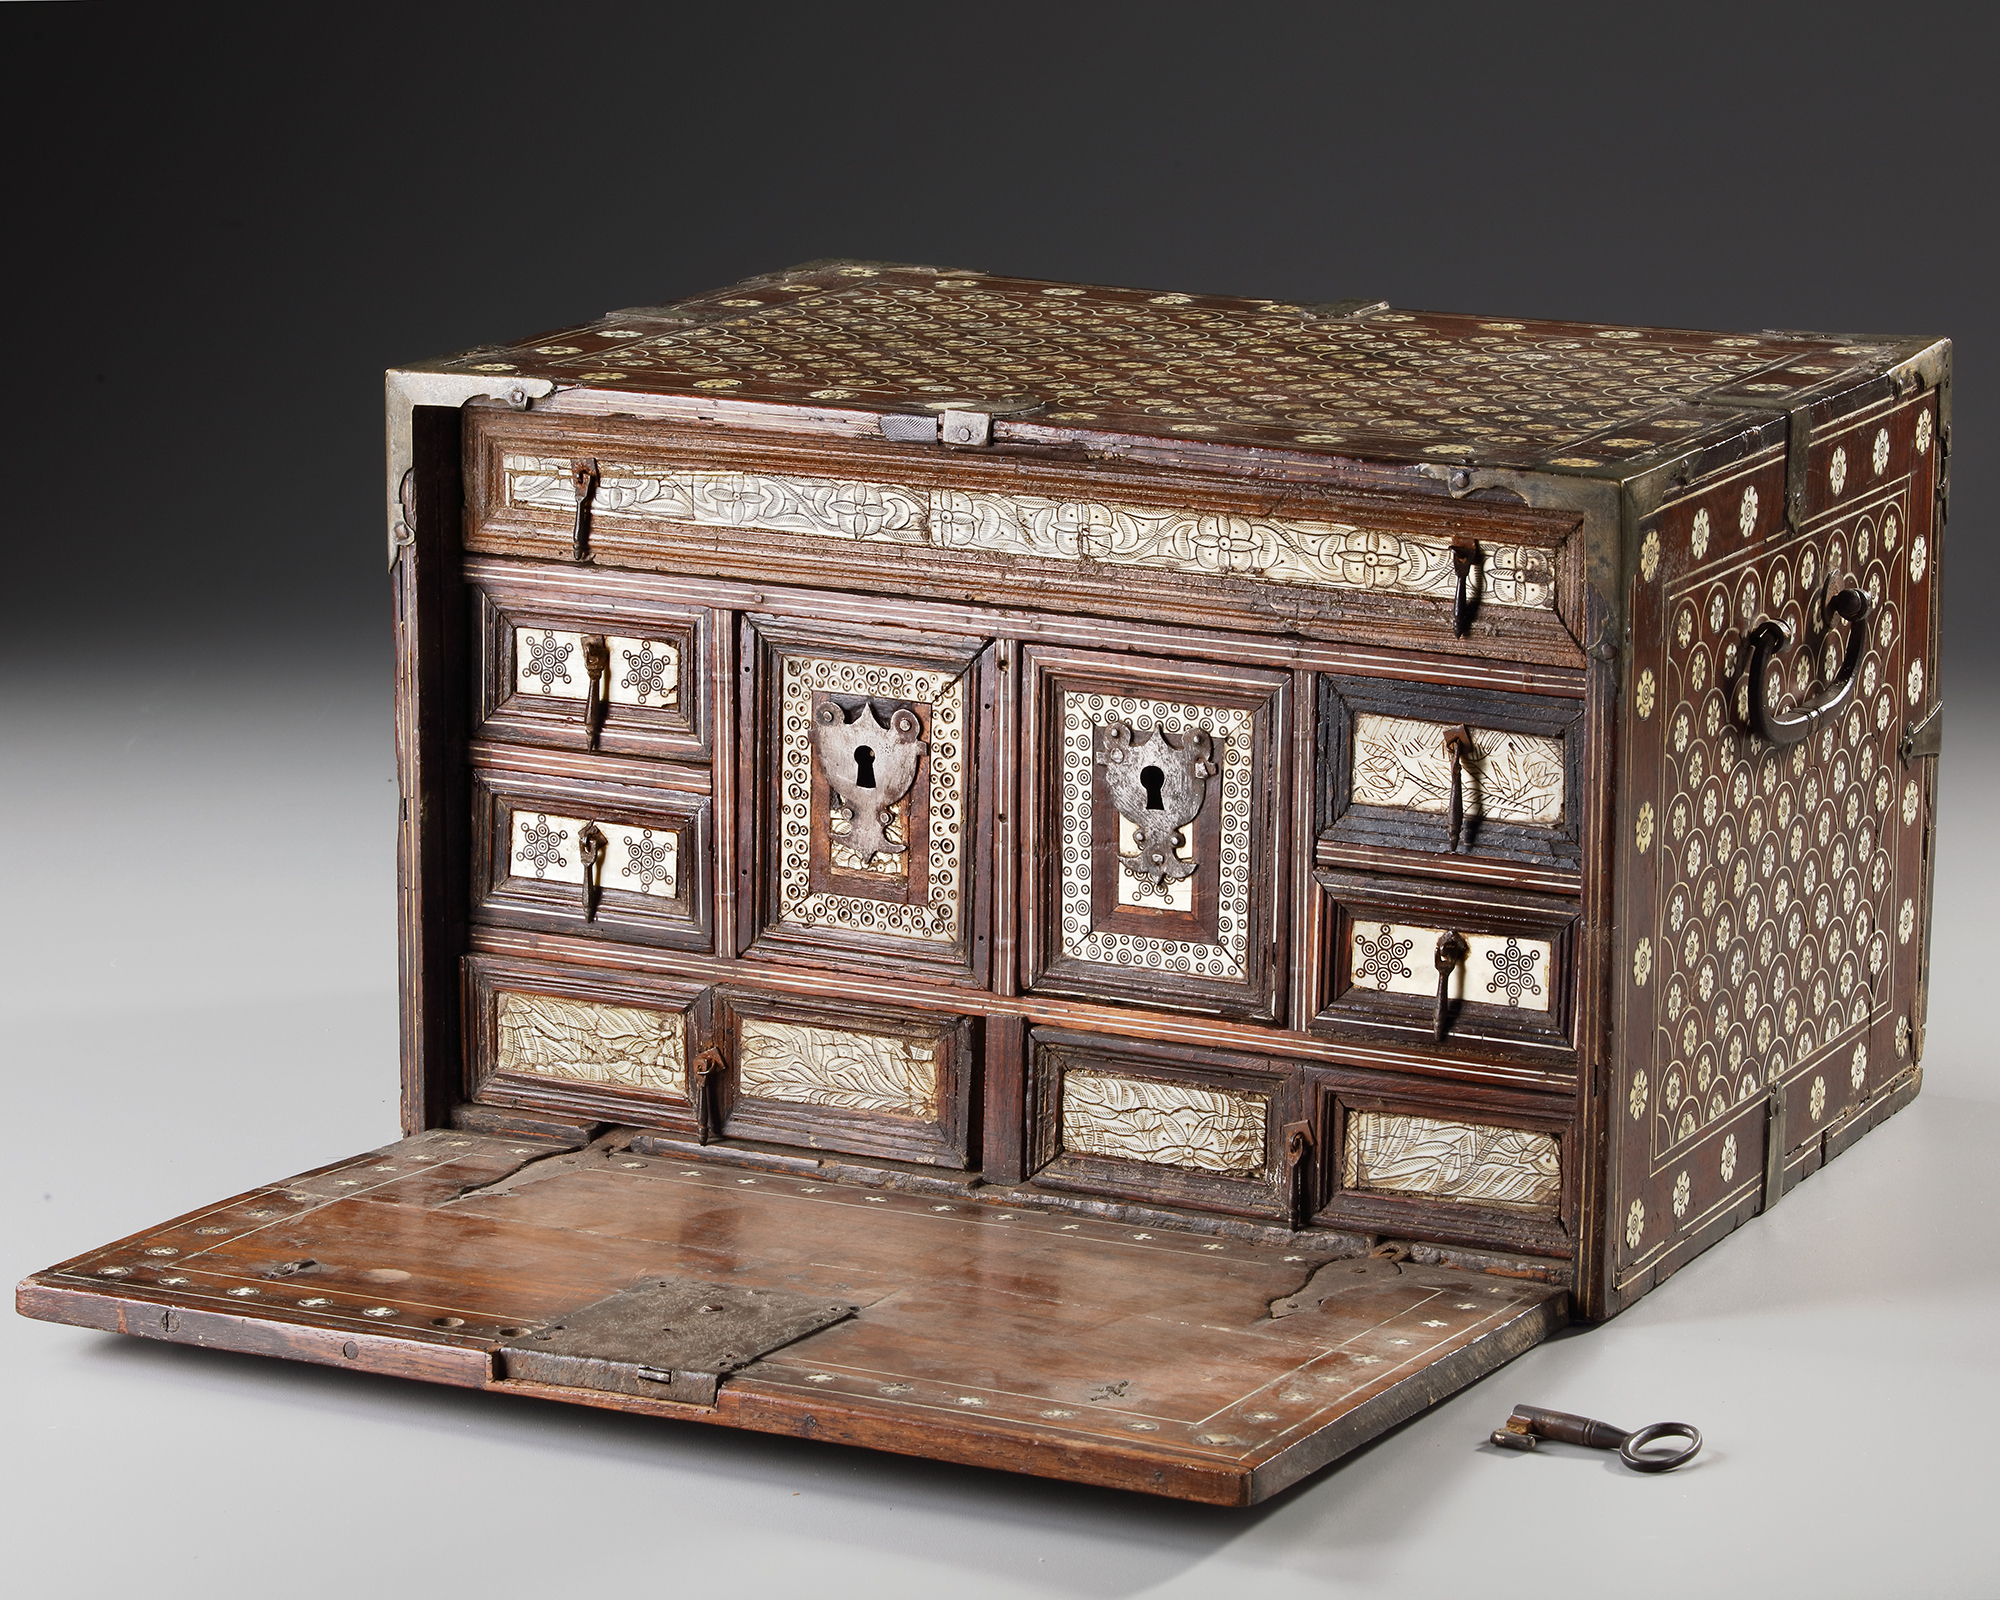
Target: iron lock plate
[(665, 1339)]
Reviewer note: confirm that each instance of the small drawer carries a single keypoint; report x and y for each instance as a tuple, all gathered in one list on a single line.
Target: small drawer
[(1504, 960), (1469, 1165), (1391, 753), (567, 856), (581, 1043), (867, 1080), (583, 665), (1153, 795), (1161, 1125)]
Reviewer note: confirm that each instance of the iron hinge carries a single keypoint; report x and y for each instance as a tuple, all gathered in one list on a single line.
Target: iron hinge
[(1774, 1145), (959, 425), (1924, 738), (1344, 310)]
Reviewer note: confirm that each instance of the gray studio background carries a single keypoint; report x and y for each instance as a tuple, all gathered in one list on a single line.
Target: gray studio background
[(227, 221)]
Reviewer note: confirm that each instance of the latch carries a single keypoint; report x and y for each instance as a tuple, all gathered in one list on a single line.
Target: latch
[(958, 424), (1774, 1145), (1923, 739)]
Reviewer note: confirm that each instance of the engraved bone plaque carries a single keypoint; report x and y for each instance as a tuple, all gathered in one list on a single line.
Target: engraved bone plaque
[(1159, 788), (869, 765)]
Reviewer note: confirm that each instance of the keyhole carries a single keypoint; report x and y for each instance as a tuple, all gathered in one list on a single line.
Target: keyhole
[(1154, 780), (864, 767)]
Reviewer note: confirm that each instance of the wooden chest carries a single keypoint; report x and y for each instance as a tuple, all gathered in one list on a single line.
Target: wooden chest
[(1121, 885)]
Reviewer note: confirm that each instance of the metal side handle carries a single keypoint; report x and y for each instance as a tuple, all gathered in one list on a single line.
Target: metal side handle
[(1798, 725)]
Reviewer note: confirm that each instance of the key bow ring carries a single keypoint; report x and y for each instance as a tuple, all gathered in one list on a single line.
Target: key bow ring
[(1529, 1425)]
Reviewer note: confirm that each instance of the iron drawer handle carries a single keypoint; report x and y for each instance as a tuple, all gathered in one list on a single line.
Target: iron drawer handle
[(703, 1082), (1457, 747), (583, 480), (1795, 727), (597, 669), (1451, 950), (590, 844), (1530, 1424), (1464, 557)]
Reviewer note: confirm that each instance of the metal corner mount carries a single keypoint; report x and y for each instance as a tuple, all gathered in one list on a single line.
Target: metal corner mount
[(405, 389)]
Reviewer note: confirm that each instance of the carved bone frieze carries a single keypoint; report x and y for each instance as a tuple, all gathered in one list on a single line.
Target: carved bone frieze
[(1159, 788), (1311, 554), (585, 1041), (869, 765), (795, 1062), (1166, 1124), (1451, 1160)]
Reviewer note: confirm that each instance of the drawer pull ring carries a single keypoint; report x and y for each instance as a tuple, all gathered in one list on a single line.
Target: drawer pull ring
[(1794, 727), (590, 845), (1464, 557), (597, 670), (1457, 747), (583, 479), (1451, 951)]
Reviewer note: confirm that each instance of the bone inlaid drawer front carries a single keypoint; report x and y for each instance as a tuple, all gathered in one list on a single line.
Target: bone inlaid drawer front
[(1403, 1154), (1167, 1124), (587, 1041), (1404, 762), (641, 672), (1400, 958), (832, 1067), (551, 849)]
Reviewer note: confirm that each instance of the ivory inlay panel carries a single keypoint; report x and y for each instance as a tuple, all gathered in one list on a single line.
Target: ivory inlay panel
[(644, 672), (1510, 777), (585, 1041), (1230, 727), (1167, 1124), (943, 768), (636, 860), (1395, 958), (795, 1062), (1327, 555), (1451, 1160)]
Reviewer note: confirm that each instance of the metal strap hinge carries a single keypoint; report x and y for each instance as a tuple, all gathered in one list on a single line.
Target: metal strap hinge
[(1774, 1146), (1923, 739), (967, 425)]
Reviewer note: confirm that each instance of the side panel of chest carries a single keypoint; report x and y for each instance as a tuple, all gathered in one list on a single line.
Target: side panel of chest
[(1773, 895)]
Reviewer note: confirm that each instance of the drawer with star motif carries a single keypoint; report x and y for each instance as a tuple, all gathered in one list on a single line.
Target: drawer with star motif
[(560, 852), (1447, 966), (589, 661)]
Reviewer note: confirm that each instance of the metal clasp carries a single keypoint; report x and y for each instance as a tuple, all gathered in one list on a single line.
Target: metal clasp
[(1923, 740), (591, 845), (597, 673), (583, 480)]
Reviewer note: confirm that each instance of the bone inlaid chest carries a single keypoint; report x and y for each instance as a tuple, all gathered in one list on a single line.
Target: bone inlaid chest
[(1123, 885)]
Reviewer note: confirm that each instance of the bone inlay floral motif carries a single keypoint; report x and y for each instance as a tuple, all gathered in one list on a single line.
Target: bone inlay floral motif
[(586, 1041), (1510, 777), (1397, 959), (1168, 1124), (831, 1067), (549, 661), (1451, 1160)]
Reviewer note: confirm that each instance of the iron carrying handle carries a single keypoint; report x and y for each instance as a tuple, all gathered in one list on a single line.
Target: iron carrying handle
[(1531, 1424), (1798, 725)]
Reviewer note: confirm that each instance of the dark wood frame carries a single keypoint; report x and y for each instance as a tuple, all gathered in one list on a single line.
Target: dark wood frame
[(1472, 1025), (1052, 1052), (486, 1085), (1046, 674), (510, 595), (681, 921), (945, 1142), (765, 642), (1391, 838), (1380, 1213)]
